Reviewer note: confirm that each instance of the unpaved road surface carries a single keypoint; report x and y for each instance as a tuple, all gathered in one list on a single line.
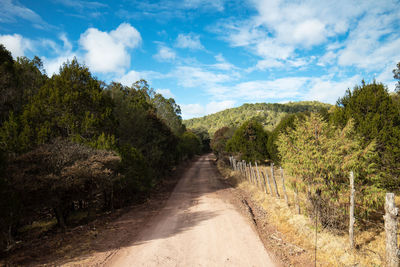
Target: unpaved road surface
[(197, 227)]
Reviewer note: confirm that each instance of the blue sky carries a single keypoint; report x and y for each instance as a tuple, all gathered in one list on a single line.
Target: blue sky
[(214, 54)]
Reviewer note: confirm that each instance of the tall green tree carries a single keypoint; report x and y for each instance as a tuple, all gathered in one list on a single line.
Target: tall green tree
[(322, 156), (70, 104), (375, 117), (396, 75), (9, 93), (250, 141), (219, 140)]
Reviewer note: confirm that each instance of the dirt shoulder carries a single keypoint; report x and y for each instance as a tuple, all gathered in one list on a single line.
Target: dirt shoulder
[(278, 244), (97, 239)]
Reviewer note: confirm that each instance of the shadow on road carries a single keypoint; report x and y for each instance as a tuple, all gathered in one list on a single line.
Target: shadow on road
[(156, 219)]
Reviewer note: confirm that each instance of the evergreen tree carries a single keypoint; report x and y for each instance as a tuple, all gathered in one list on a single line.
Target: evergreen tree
[(375, 117), (250, 141)]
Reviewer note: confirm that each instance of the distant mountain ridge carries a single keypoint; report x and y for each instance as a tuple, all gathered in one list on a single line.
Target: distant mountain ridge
[(269, 115)]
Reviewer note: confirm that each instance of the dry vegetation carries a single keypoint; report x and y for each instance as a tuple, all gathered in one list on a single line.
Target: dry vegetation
[(299, 229)]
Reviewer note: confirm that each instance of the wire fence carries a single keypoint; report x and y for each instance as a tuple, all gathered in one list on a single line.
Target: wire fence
[(271, 180)]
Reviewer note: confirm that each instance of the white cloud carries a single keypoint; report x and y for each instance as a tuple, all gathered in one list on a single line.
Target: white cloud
[(197, 110), (166, 93), (108, 52), (165, 54), (281, 30), (373, 43), (10, 12), (214, 107), (270, 89), (130, 78), (16, 44), (210, 4), (328, 91), (191, 41), (192, 110), (309, 32), (197, 77), (222, 63)]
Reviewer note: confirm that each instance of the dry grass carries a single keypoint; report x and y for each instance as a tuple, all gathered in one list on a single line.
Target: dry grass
[(332, 248)]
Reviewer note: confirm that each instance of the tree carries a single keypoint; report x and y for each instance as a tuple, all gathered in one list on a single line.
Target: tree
[(204, 137), (70, 105), (376, 117), (396, 75), (286, 124), (8, 84), (322, 156), (189, 145), (56, 174), (250, 141), (219, 140), (169, 112)]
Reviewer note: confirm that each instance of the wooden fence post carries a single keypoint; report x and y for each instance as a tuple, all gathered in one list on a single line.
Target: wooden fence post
[(351, 221), (296, 199), (283, 186), (265, 185), (273, 178), (269, 183), (390, 217), (258, 174), (255, 181), (253, 177)]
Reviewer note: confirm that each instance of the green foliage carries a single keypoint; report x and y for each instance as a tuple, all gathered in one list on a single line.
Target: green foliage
[(137, 177), (268, 114), (71, 105), (220, 138), (204, 137), (323, 155), (63, 172), (169, 112), (286, 124), (189, 145), (250, 141), (140, 127), (376, 117), (9, 92), (396, 75)]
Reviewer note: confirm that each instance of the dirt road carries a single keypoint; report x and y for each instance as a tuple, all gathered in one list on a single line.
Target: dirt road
[(197, 227)]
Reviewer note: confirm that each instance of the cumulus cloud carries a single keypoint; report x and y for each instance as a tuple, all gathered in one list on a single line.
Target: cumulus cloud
[(165, 53), (16, 44), (109, 52), (191, 41)]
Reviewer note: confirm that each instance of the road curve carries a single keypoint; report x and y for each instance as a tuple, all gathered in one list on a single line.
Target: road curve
[(197, 227)]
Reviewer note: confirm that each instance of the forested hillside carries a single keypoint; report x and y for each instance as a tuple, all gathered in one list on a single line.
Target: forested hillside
[(268, 114)]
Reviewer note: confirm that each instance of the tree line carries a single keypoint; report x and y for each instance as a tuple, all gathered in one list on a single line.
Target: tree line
[(268, 114), (361, 133), (71, 142)]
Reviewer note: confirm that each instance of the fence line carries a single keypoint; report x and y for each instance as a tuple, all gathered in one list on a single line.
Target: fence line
[(391, 211)]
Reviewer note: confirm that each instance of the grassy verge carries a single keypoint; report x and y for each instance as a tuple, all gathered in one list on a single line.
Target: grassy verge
[(332, 246)]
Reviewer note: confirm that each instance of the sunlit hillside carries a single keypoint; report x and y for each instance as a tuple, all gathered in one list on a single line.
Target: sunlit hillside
[(269, 114)]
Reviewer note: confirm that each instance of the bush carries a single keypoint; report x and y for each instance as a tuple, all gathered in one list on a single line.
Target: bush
[(250, 141)]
